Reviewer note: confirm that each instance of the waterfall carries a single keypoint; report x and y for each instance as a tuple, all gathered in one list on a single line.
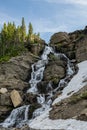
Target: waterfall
[(38, 69), (19, 116)]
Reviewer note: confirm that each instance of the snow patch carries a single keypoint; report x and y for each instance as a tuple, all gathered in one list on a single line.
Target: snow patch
[(44, 123), (75, 84)]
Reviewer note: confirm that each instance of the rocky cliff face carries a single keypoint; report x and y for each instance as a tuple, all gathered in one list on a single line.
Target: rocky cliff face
[(74, 45), (36, 48), (14, 74)]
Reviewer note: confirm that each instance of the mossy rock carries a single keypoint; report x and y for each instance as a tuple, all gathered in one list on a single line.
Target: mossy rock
[(52, 57), (32, 108)]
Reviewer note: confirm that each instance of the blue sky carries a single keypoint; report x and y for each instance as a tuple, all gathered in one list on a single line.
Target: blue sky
[(47, 16)]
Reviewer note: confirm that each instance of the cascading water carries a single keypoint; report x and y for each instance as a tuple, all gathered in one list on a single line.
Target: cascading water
[(19, 116), (37, 70)]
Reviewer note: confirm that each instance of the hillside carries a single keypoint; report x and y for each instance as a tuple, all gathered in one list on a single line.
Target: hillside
[(51, 89)]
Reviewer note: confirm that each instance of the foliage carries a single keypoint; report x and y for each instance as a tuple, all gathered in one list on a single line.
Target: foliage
[(84, 95), (74, 99), (78, 97), (53, 57), (14, 39)]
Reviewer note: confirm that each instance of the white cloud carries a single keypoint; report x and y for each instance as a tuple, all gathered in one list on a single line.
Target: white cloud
[(80, 2)]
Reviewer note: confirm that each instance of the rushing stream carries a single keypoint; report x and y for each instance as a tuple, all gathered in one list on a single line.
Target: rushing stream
[(19, 116)]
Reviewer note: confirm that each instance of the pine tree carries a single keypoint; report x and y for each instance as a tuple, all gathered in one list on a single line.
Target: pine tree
[(23, 30), (3, 39), (30, 34), (38, 35), (30, 31)]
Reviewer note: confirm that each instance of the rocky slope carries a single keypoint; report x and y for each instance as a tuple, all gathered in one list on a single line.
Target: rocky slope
[(74, 44), (16, 73), (74, 107)]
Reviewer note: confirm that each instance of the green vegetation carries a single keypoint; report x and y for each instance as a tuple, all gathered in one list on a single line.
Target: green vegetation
[(14, 39), (79, 37), (84, 95), (78, 97), (74, 99), (53, 57)]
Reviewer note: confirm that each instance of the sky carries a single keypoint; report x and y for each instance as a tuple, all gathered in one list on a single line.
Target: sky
[(46, 16)]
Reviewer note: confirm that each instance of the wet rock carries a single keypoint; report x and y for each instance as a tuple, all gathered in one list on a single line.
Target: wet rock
[(23, 128), (4, 112), (42, 87), (30, 98), (83, 115), (54, 72), (16, 98), (32, 108)]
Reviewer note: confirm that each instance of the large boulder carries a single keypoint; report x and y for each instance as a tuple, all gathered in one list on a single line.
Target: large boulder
[(5, 105), (74, 44), (5, 100), (37, 47), (61, 42), (59, 37), (16, 98), (55, 70), (30, 98), (81, 50)]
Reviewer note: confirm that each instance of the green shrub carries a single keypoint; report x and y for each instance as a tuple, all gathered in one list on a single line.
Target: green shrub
[(53, 57), (4, 58), (84, 95), (74, 99)]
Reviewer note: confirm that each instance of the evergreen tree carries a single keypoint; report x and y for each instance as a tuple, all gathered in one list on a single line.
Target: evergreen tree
[(38, 35), (30, 31), (3, 39), (23, 30)]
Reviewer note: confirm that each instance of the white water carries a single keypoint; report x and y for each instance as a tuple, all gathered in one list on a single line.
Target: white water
[(40, 66), (38, 69), (19, 116)]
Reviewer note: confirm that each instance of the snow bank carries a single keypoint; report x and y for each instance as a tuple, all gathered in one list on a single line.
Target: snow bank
[(75, 84), (43, 122)]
